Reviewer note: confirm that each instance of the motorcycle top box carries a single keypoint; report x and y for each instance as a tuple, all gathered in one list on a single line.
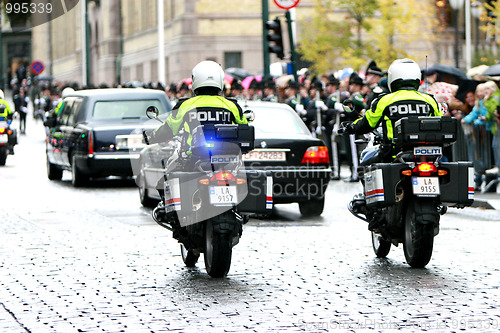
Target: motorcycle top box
[(418, 130), (241, 136)]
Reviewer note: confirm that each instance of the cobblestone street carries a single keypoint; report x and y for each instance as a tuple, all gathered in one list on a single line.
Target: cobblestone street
[(92, 259)]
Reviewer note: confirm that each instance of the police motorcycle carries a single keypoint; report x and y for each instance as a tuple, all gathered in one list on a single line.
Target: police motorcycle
[(8, 139), (207, 196), (406, 192)]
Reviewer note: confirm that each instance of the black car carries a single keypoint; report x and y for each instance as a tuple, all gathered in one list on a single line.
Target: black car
[(96, 133), (299, 163)]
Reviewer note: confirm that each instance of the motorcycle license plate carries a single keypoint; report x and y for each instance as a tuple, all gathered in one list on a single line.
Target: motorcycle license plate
[(4, 138), (425, 186), (223, 195)]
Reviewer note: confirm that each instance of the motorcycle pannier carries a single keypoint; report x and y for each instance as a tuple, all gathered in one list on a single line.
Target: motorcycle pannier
[(259, 198), (380, 184), (425, 130), (458, 186)]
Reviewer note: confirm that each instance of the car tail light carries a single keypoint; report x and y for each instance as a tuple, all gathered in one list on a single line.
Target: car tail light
[(91, 143), (425, 169), (2, 130), (316, 155)]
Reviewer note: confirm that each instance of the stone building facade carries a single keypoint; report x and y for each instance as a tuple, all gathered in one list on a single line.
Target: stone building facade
[(123, 38)]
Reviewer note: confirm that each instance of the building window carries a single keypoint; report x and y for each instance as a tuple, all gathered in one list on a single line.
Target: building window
[(154, 71), (232, 59), (139, 74)]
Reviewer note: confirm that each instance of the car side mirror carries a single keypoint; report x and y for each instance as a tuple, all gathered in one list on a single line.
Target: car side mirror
[(249, 115), (152, 112)]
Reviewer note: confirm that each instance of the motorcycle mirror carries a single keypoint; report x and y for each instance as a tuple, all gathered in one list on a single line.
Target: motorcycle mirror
[(249, 115), (152, 112), (360, 141)]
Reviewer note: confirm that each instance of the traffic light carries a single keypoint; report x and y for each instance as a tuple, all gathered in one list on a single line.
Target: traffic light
[(275, 37)]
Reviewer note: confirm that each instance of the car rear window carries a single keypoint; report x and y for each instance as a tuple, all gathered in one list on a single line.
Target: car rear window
[(124, 109), (278, 120)]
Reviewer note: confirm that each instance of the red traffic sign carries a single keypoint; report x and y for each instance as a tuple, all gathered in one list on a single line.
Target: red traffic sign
[(37, 67), (286, 4)]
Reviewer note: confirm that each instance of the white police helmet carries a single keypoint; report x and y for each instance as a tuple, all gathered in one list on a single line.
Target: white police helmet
[(403, 73), (2, 95), (67, 91), (207, 74)]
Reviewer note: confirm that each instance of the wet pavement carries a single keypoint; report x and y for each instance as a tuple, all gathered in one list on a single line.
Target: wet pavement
[(93, 260)]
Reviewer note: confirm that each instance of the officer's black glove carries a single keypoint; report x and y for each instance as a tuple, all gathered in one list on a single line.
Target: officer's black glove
[(346, 127), (147, 136)]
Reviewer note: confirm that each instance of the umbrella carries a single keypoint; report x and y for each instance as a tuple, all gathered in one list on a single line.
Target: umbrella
[(238, 73), (228, 79), (464, 86), (493, 70), (44, 77), (282, 81), (246, 81), (477, 71), (455, 73)]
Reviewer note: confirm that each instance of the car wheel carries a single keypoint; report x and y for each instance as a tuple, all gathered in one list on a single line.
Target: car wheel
[(53, 171), (77, 177), (3, 156), (146, 201), (313, 207)]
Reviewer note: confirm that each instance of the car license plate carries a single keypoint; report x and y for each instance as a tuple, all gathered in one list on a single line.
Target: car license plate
[(265, 155), (4, 138), (425, 186), (129, 141), (223, 195)]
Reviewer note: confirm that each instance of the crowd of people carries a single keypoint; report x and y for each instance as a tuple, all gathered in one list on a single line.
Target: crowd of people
[(317, 99)]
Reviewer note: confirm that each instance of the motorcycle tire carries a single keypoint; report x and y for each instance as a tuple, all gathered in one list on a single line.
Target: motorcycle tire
[(418, 238), (381, 247), (188, 257), (218, 251)]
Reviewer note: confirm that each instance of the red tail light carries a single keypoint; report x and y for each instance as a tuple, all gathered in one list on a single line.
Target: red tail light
[(425, 169), (91, 143), (2, 130), (316, 155), (223, 177)]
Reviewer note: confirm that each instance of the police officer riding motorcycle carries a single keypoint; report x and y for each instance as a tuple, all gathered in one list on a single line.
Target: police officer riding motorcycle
[(405, 183), (8, 135), (204, 183)]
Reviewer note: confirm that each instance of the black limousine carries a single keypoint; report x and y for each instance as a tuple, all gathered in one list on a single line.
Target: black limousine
[(98, 132)]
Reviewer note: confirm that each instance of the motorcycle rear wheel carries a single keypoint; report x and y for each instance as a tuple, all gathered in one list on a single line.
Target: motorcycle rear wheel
[(188, 257), (381, 247), (218, 251), (418, 239)]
